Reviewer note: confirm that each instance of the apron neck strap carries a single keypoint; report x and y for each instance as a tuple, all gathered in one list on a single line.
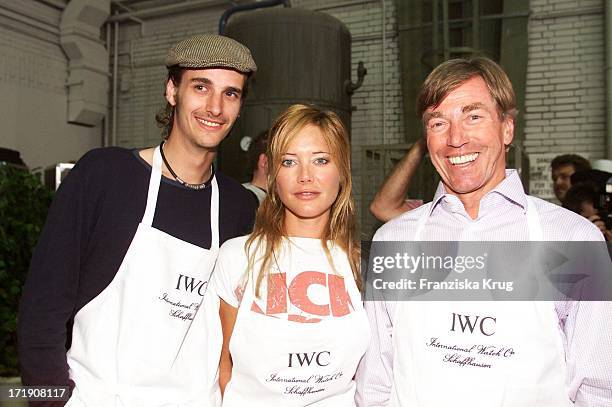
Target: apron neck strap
[(154, 182), (533, 221), (153, 191), (420, 226), (214, 213)]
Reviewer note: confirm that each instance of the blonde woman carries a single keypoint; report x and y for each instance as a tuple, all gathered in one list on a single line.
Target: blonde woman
[(293, 324)]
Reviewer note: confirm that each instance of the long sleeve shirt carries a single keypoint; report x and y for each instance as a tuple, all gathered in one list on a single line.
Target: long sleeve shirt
[(89, 228), (587, 338)]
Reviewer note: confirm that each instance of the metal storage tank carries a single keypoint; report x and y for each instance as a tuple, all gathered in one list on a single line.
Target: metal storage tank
[(302, 56)]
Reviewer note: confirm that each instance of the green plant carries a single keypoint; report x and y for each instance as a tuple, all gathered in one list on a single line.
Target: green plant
[(24, 202)]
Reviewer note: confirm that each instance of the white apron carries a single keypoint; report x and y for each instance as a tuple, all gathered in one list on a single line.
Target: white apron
[(137, 343), (479, 354), (283, 363)]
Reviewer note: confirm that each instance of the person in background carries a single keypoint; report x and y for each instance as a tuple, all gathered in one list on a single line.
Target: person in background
[(294, 328), (113, 303), (583, 199), (390, 199), (561, 352), (259, 166), (562, 167)]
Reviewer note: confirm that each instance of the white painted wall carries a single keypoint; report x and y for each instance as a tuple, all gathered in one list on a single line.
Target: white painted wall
[(33, 102)]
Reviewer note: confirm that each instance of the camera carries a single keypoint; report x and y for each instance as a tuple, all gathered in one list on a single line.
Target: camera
[(592, 187)]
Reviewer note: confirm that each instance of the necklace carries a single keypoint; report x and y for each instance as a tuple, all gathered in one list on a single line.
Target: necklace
[(197, 187)]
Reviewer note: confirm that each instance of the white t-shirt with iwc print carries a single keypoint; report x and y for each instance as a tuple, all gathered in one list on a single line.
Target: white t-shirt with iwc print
[(299, 341)]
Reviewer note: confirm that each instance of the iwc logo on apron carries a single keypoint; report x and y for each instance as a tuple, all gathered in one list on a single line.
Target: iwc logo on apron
[(128, 342), (478, 354), (301, 342)]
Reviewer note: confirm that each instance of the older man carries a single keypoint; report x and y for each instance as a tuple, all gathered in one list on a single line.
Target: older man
[(560, 353), (120, 272)]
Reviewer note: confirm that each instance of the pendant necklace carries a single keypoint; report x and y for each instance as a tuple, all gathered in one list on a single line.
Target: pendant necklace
[(196, 187)]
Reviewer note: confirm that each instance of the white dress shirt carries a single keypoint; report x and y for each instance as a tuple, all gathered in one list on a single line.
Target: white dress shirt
[(501, 217)]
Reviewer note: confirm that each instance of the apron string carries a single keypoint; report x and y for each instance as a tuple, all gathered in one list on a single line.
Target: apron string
[(154, 182), (214, 214), (533, 221)]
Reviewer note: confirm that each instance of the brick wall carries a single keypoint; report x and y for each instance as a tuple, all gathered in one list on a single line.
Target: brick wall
[(565, 97), (142, 72)]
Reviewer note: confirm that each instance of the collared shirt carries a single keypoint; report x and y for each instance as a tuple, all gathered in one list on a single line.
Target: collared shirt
[(501, 217)]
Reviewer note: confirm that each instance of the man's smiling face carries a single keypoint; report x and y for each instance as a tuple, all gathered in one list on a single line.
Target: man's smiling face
[(466, 138), (207, 103)]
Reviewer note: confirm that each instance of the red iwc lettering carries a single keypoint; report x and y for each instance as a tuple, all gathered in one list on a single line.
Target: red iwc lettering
[(297, 292), (277, 294), (338, 296)]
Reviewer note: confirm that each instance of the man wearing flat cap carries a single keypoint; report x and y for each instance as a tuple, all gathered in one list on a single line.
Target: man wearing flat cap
[(115, 304)]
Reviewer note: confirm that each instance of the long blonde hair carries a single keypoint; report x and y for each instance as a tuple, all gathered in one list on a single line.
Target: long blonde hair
[(269, 228)]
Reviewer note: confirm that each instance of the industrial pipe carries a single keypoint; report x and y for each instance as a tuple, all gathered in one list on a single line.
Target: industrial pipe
[(351, 87), (244, 7), (106, 130), (383, 76), (608, 42), (115, 82), (167, 10)]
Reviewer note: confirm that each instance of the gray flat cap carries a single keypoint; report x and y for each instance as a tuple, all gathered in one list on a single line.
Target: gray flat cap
[(211, 51)]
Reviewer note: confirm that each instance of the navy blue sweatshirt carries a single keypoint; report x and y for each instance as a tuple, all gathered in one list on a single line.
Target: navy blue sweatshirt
[(89, 228)]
